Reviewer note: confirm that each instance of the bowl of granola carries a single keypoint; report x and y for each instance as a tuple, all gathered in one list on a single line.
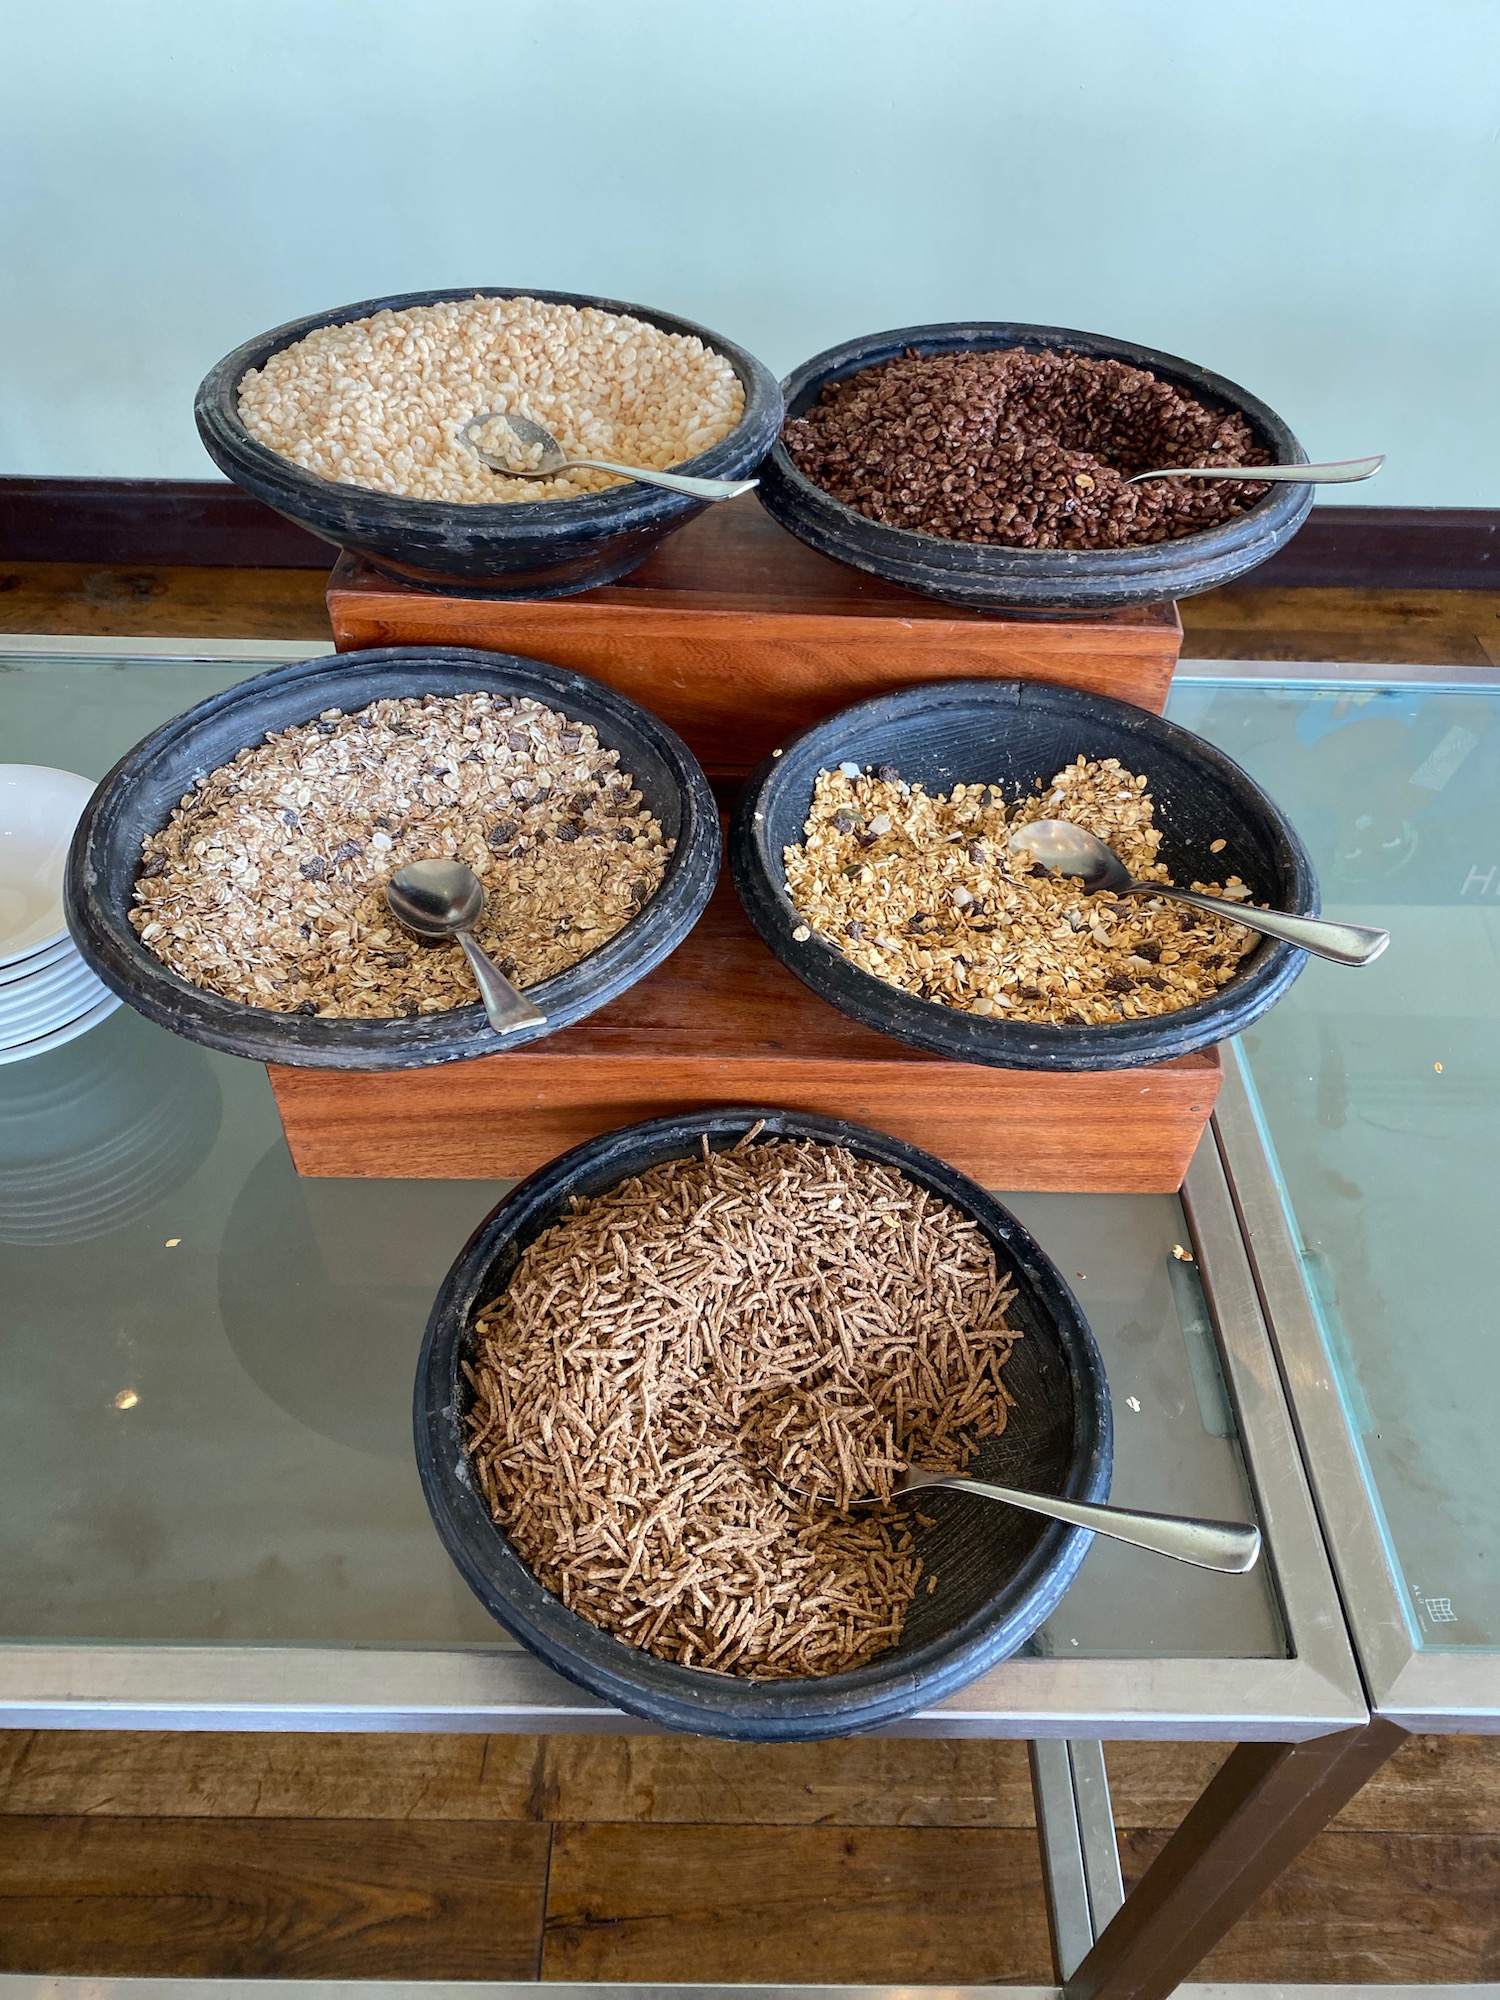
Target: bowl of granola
[(881, 855), (227, 877)]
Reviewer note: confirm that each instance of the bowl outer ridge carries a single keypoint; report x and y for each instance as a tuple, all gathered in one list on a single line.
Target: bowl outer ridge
[(139, 794), (686, 1698)]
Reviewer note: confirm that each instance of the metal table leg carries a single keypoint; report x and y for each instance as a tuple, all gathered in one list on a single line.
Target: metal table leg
[(1080, 1858), (1263, 1807)]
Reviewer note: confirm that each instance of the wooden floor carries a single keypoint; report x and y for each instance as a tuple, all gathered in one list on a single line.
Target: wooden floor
[(467, 1857), (669, 1858)]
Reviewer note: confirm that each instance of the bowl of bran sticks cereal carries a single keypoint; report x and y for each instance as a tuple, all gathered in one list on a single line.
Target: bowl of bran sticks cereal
[(663, 1369)]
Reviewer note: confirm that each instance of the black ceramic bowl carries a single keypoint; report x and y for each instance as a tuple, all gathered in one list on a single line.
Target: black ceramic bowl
[(1011, 733), (989, 577), (1000, 1573), (541, 548), (139, 794)]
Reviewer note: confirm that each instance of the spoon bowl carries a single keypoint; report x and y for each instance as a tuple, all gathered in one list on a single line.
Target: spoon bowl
[(1082, 856), (439, 898), (435, 898), (534, 437)]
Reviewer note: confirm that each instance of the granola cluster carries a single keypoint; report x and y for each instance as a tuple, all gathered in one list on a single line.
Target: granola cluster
[(925, 892), (267, 884)]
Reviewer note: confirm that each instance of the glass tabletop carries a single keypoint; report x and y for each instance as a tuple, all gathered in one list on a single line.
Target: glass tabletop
[(1378, 1093), (207, 1360)]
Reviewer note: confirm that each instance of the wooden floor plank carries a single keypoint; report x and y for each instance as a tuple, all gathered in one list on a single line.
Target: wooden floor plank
[(796, 1904), (1365, 1907), (1375, 647), (661, 1779), (265, 1774), (1257, 606), (234, 1898), (1245, 621), (872, 1781), (1433, 1784), (1378, 646)]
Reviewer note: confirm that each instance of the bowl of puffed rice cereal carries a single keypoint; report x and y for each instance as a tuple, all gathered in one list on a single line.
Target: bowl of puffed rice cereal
[(646, 1335), (881, 855), (988, 464), (347, 422), (227, 878)]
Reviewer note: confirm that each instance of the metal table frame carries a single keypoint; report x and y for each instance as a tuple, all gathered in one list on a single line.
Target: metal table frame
[(1413, 1687), (1307, 1739), (1311, 1693)]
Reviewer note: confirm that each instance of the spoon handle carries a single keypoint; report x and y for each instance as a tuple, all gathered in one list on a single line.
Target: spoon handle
[(1336, 472), (1222, 1545), (1345, 944), (675, 482), (507, 1008)]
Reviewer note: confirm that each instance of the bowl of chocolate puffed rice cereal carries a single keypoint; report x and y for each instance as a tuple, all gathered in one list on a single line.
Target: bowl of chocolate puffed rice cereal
[(662, 1368), (227, 878), (881, 855), (987, 464), (348, 421)]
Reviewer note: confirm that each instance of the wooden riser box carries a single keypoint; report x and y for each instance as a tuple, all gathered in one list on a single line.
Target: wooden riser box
[(723, 1022), (737, 635)]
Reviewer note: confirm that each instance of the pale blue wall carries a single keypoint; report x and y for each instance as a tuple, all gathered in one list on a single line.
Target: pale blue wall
[(1304, 194)]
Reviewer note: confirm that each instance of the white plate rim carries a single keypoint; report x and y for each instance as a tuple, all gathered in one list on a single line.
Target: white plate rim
[(19, 1051), (56, 953), (62, 1004), (91, 785)]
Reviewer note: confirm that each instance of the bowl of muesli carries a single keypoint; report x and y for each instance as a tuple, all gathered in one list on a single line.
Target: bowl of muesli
[(227, 878), (881, 856)]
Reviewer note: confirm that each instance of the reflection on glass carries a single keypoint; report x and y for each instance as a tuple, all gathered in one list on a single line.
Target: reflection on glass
[(205, 1388), (1380, 1094), (90, 1138)]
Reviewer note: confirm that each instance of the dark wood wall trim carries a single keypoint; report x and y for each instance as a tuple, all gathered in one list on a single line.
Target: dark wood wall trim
[(208, 522), (145, 522), (1391, 548)]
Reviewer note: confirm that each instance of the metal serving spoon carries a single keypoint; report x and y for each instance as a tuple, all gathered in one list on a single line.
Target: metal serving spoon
[(443, 899), (554, 460), (1073, 851), (1233, 1546), (1338, 472)]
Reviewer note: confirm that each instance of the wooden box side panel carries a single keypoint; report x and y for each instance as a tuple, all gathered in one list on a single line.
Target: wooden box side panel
[(735, 684), (1114, 1132)]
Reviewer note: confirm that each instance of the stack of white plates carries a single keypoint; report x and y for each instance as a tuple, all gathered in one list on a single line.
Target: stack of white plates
[(47, 994)]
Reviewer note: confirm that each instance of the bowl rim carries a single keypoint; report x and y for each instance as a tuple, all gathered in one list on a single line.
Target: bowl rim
[(973, 1038), (983, 559), (693, 1698), (217, 413), (111, 947)]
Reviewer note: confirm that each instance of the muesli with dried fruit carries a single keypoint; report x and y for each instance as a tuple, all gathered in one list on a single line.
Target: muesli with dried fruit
[(267, 884)]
